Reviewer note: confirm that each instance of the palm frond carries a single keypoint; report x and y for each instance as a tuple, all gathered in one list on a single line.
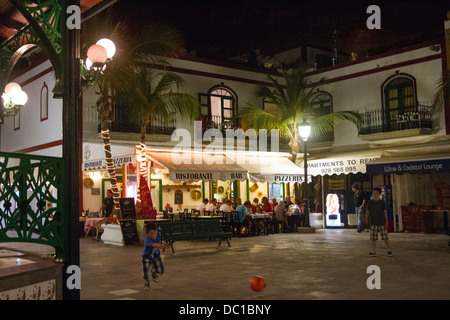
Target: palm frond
[(326, 123), (181, 104), (442, 95), (261, 119)]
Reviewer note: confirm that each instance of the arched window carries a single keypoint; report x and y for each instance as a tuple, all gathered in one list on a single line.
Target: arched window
[(322, 104), (399, 98), (44, 102), (222, 108)]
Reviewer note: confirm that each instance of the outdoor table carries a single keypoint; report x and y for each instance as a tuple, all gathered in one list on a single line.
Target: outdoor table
[(262, 216), (92, 223), (205, 217)]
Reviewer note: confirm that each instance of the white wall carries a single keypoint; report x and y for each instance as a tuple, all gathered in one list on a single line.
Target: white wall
[(34, 132), (358, 86)]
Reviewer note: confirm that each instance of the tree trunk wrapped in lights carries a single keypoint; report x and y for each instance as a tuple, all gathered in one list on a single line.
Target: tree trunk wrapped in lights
[(104, 107)]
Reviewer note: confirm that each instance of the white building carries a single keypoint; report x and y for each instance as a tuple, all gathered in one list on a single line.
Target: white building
[(393, 92)]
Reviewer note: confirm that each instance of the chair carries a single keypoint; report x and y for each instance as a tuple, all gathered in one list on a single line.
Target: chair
[(227, 221), (237, 226), (98, 229), (207, 213), (186, 210), (182, 216)]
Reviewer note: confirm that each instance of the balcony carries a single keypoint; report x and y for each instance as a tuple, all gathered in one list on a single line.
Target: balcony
[(375, 126), (220, 123), (157, 125)]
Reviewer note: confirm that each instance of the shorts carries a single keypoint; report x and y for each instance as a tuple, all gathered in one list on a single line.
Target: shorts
[(374, 230), (152, 266)]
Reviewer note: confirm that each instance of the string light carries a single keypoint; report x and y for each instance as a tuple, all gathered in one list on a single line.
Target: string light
[(110, 167)]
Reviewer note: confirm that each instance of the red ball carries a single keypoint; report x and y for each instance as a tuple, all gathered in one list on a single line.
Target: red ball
[(257, 283)]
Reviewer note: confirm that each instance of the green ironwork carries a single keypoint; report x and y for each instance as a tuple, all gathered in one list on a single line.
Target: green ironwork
[(32, 207), (45, 20)]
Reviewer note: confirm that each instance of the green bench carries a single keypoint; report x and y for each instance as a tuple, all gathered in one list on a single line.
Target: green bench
[(193, 230)]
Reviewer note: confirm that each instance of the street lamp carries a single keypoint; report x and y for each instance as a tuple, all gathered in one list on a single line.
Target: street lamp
[(13, 99), (304, 131), (98, 56)]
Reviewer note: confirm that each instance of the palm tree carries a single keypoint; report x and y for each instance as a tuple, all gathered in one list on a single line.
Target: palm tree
[(151, 96), (442, 96), (292, 101), (154, 43)]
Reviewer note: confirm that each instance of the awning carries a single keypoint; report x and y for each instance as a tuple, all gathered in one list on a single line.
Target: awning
[(198, 166), (94, 155), (271, 169), (101, 163), (409, 165), (338, 163)]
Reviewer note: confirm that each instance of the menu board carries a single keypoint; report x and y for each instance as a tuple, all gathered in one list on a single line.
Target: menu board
[(129, 232), (127, 209)]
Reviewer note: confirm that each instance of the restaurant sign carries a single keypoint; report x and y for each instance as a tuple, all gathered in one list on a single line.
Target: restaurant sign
[(278, 178), (421, 166), (206, 175), (97, 164), (338, 166)]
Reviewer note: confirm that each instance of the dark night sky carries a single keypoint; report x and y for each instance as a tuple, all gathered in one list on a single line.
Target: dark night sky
[(222, 29)]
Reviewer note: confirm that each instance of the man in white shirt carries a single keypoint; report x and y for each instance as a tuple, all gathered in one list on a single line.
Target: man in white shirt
[(201, 207), (226, 206), (211, 207)]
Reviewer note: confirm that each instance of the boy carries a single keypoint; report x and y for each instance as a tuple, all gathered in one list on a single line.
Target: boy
[(376, 210), (151, 256)]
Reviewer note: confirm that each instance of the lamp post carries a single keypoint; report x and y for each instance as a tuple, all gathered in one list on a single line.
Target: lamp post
[(304, 130)]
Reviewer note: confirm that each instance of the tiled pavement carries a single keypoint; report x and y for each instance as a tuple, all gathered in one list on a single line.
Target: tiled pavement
[(330, 264)]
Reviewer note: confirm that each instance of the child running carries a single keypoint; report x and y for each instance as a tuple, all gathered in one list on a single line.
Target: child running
[(151, 256)]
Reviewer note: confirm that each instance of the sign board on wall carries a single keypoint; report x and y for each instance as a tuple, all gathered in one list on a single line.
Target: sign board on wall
[(338, 166)]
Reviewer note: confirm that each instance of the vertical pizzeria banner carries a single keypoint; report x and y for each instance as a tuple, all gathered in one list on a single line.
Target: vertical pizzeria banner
[(146, 199)]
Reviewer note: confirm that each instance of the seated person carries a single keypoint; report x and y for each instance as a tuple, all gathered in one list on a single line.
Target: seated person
[(211, 207), (295, 215), (243, 214), (201, 207), (255, 205), (282, 215), (226, 206)]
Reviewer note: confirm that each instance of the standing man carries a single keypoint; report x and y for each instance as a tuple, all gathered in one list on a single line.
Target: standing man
[(360, 201), (108, 204), (376, 211)]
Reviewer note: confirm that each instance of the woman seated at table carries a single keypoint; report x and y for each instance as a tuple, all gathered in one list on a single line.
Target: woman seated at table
[(256, 206), (266, 206)]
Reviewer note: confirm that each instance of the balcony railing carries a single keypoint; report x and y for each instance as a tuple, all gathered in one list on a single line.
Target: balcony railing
[(157, 125), (220, 123), (375, 121)]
